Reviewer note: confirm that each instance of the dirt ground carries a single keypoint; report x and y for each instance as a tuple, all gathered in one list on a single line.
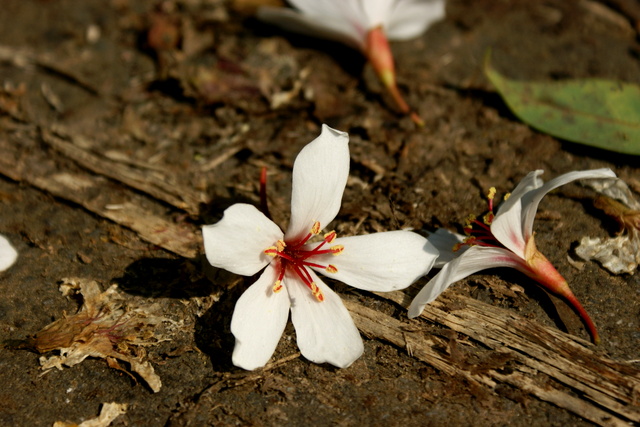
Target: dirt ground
[(121, 120)]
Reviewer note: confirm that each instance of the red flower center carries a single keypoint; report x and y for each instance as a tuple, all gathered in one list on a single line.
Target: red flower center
[(297, 256), (479, 231)]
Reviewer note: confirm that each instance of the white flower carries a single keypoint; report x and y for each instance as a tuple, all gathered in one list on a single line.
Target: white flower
[(507, 240), (364, 25), (245, 241), (8, 254)]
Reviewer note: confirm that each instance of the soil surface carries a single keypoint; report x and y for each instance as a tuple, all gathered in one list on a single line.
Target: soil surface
[(118, 113)]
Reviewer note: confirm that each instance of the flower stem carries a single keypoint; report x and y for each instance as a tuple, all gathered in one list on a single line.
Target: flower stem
[(584, 316), (264, 204), (541, 270), (378, 52)]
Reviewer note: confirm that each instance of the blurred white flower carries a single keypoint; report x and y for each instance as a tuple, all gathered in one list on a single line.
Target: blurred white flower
[(364, 25), (8, 254)]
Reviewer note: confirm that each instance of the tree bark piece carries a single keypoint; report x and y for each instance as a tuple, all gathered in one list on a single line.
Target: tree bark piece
[(545, 362), (153, 183), (126, 207)]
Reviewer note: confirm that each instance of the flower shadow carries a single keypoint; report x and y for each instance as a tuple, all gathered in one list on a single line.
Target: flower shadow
[(166, 278), (212, 290), (537, 295), (213, 330)]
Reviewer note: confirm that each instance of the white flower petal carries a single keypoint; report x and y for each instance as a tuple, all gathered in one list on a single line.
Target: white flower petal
[(237, 242), (507, 229), (259, 319), (476, 258), (444, 241), (356, 12), (532, 199), (410, 18), (525, 186), (376, 12), (327, 26), (319, 177), (381, 261), (8, 254), (335, 8), (325, 330), (507, 224)]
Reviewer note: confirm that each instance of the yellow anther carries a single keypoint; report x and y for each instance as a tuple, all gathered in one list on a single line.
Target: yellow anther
[(271, 250), (330, 236), (457, 246), (506, 196), (488, 218), (492, 193), (331, 269), (315, 290), (316, 228), (469, 220), (336, 249), (280, 245), (277, 287)]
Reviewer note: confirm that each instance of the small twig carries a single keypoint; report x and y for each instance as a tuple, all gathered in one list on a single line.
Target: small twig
[(223, 157)]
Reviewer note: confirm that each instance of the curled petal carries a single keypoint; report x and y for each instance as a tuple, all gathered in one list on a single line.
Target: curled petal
[(507, 226), (319, 177), (507, 229), (258, 321), (237, 242), (532, 199), (382, 261), (8, 254), (325, 330), (525, 186), (410, 18), (476, 258)]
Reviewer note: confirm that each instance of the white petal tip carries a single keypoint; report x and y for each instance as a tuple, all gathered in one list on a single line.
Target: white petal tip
[(334, 132), (415, 311), (8, 254), (248, 361)]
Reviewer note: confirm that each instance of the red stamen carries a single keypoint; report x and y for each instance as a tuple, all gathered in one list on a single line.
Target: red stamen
[(312, 264), (292, 256)]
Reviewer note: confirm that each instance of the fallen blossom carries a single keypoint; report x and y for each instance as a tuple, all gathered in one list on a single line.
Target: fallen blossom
[(245, 241), (8, 254), (506, 239), (366, 25)]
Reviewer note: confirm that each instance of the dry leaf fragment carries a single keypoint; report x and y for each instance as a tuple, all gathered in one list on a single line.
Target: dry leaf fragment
[(106, 326), (108, 413), (619, 254)]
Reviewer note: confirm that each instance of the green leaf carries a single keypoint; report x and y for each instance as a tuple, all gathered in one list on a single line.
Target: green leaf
[(596, 112)]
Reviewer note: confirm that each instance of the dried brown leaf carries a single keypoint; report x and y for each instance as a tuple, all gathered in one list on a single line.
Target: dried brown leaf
[(107, 326)]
